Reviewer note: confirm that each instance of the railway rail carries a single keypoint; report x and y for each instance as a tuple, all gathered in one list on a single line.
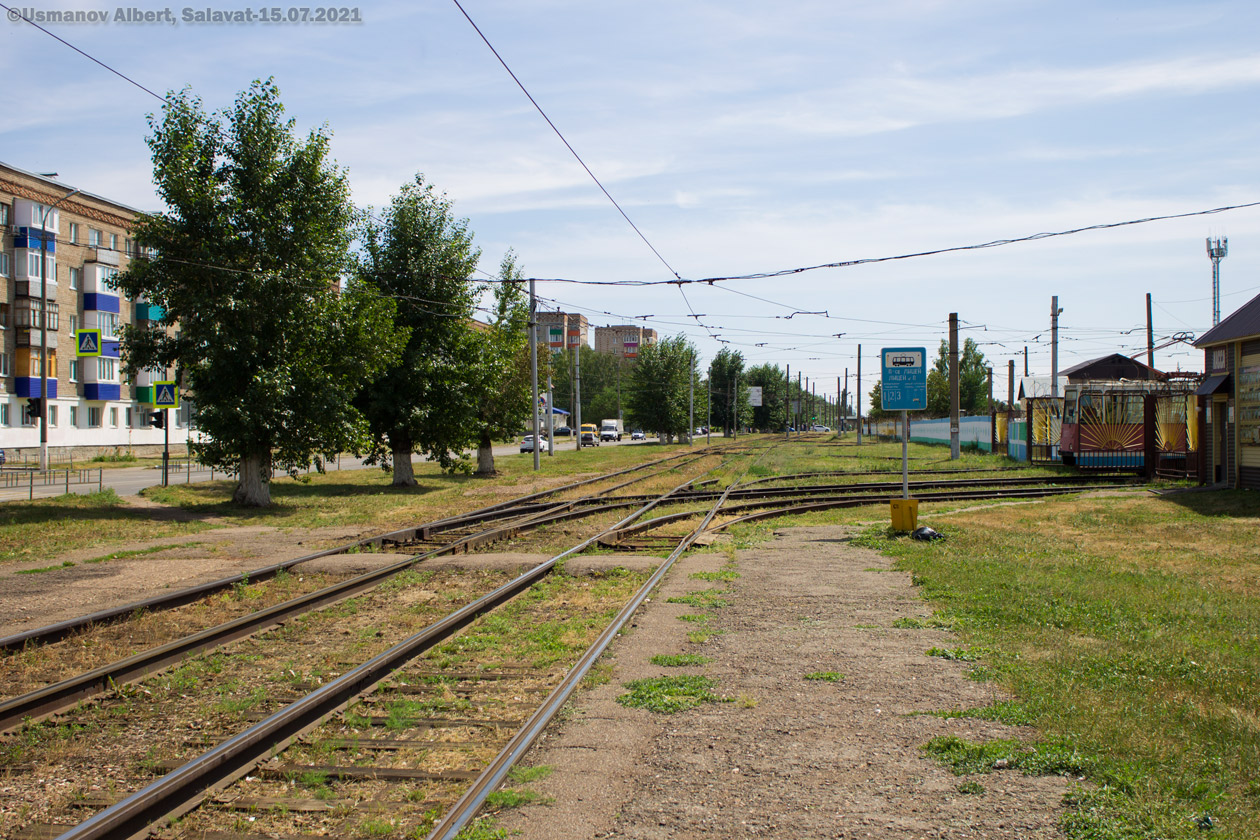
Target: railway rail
[(185, 787)]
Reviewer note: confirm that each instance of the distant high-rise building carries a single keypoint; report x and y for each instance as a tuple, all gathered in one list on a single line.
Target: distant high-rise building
[(623, 339), (562, 330)]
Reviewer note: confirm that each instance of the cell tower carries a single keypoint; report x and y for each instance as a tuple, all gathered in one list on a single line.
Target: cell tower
[(1217, 252)]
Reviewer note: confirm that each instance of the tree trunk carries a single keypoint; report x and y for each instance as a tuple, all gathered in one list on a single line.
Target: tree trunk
[(400, 447), (485, 455), (254, 487), (404, 475)]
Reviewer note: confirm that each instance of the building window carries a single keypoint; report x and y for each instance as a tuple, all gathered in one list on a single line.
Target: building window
[(109, 324), (74, 416), (94, 238), (108, 278), (52, 415), (113, 242), (74, 370), (5, 268), (4, 411), (105, 370), (74, 233), (130, 417), (4, 220), (6, 365), (4, 316), (74, 324), (76, 278), (113, 417), (94, 417)]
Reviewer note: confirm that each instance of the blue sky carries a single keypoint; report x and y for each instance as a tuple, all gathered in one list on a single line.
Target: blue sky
[(748, 137)]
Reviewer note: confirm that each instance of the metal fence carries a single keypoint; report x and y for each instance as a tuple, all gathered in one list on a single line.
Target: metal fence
[(12, 478)]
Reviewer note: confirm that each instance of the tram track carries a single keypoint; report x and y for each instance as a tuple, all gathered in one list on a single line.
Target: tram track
[(445, 537), (185, 787)]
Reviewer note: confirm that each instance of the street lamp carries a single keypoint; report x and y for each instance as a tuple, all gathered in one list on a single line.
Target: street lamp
[(43, 329)]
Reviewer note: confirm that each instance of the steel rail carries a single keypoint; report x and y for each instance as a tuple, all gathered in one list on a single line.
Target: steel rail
[(60, 630), (466, 808), (942, 497), (57, 697), (184, 788)]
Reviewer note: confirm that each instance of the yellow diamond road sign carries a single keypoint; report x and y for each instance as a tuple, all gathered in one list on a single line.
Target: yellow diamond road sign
[(165, 395)]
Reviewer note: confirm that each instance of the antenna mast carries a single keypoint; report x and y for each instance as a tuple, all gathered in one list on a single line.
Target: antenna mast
[(1217, 252)]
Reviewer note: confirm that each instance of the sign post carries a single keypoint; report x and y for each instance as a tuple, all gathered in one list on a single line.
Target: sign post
[(166, 397), (903, 387)]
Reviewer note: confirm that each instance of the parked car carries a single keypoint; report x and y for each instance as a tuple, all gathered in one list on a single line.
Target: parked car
[(590, 439), (637, 434), (820, 428), (527, 443), (562, 431)]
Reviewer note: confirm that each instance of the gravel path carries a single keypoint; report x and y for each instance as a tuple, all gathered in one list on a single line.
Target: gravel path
[(790, 757)]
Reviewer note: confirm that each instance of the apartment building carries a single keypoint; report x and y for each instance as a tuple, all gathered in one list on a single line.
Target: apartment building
[(562, 330), (84, 240), (623, 339)]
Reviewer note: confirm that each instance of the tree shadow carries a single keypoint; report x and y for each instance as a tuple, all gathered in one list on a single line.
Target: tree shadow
[(1242, 504)]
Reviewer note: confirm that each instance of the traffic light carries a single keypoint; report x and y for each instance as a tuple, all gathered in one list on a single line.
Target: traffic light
[(34, 409), (157, 419)]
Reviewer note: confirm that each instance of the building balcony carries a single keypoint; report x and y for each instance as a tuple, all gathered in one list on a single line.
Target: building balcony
[(146, 311), (102, 391), (33, 337), (28, 386)]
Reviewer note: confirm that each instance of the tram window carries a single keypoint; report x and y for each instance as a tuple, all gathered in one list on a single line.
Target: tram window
[(1069, 409), (1090, 405)]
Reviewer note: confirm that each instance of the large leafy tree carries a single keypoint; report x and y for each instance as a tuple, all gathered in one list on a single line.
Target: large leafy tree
[(729, 404), (770, 415), (423, 256), (249, 259), (604, 380), (659, 384), (499, 378), (973, 381)]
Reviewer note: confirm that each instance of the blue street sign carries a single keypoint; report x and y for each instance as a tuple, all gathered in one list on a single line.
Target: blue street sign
[(165, 395), (88, 342), (903, 378)]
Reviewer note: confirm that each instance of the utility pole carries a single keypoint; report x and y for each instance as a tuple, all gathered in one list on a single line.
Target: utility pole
[(1054, 346), (577, 391), (1216, 252), (691, 397), (787, 404), (1150, 334), (857, 397), (708, 411), (551, 418), (954, 446), (735, 409), (533, 369), (43, 325), (844, 398), (1025, 360), (1010, 399), (800, 402)]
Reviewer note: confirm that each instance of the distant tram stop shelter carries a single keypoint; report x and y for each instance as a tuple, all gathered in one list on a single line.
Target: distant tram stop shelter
[(1229, 400)]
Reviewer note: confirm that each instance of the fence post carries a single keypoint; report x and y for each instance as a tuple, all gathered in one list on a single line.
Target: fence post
[(67, 482), (100, 479), (31, 494)]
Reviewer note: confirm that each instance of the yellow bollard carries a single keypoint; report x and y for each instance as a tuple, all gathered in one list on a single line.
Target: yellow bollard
[(905, 514)]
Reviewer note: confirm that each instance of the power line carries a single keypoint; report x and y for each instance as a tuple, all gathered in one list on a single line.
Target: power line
[(10, 12), (572, 151)]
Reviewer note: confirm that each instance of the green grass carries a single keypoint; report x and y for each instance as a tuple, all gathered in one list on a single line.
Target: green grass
[(679, 660), (1128, 630), (705, 599), (825, 676), (47, 527), (667, 695)]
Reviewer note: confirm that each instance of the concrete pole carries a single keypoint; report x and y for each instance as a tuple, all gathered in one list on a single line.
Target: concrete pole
[(954, 448), (551, 419), (1054, 346), (691, 397), (577, 393), (857, 396), (787, 404), (1150, 334), (533, 370), (43, 326)]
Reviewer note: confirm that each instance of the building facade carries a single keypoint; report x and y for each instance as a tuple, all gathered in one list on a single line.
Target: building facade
[(1229, 399), (623, 340), (79, 242), (562, 330)]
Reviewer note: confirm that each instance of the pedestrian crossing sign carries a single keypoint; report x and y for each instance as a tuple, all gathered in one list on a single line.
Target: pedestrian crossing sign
[(88, 342), (165, 395)]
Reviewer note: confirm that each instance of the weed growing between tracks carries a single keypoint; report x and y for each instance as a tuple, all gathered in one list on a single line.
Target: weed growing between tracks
[(1128, 629)]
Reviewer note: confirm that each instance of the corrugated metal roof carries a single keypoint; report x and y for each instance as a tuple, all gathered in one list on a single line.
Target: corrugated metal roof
[(1244, 322)]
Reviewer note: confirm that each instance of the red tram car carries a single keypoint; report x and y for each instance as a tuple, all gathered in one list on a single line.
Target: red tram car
[(1105, 424)]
